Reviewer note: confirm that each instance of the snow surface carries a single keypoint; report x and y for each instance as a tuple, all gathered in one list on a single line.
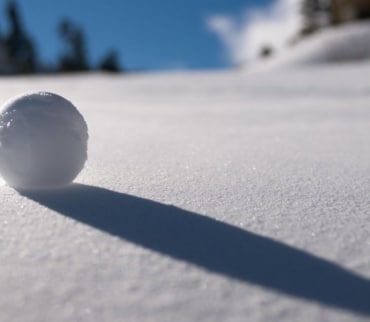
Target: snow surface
[(206, 197), (347, 43)]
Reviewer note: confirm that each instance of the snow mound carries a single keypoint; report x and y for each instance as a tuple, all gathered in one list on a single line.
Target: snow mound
[(347, 43)]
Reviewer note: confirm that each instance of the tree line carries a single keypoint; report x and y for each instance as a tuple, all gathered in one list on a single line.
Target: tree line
[(319, 14), (18, 54)]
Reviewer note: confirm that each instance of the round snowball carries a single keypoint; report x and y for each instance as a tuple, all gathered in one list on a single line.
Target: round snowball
[(43, 141)]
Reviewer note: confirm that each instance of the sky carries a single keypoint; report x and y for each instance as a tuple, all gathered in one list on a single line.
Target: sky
[(149, 35)]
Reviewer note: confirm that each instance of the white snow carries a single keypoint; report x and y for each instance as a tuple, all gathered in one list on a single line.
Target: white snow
[(43, 141), (347, 43), (206, 197)]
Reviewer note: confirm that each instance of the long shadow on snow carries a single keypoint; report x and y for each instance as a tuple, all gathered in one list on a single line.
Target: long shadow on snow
[(213, 245)]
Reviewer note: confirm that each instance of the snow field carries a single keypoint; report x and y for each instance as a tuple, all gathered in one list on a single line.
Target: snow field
[(206, 197)]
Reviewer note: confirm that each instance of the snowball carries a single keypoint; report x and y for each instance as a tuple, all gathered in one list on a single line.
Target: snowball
[(43, 141)]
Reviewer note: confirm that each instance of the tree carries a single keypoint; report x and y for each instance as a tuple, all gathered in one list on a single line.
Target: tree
[(342, 11), (18, 45), (110, 62), (75, 58)]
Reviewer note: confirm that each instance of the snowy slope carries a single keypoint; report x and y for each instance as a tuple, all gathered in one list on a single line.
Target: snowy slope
[(347, 43), (206, 197)]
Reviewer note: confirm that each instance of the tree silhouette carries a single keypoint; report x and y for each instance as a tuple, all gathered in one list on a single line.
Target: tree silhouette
[(110, 62), (18, 55), (75, 58), (19, 47)]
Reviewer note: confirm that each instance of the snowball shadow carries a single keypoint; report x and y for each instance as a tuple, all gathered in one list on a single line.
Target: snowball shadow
[(212, 245)]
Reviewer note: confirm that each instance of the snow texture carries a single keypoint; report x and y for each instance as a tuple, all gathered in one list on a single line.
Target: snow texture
[(206, 197), (43, 141)]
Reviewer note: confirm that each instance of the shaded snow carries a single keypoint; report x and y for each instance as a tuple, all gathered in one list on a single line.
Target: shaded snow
[(206, 197)]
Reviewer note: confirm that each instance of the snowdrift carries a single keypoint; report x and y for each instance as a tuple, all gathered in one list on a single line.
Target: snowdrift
[(347, 43)]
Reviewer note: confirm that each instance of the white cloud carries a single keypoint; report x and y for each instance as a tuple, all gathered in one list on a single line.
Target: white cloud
[(244, 37), (225, 28)]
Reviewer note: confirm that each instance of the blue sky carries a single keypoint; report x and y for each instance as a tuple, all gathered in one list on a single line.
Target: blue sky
[(149, 34)]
